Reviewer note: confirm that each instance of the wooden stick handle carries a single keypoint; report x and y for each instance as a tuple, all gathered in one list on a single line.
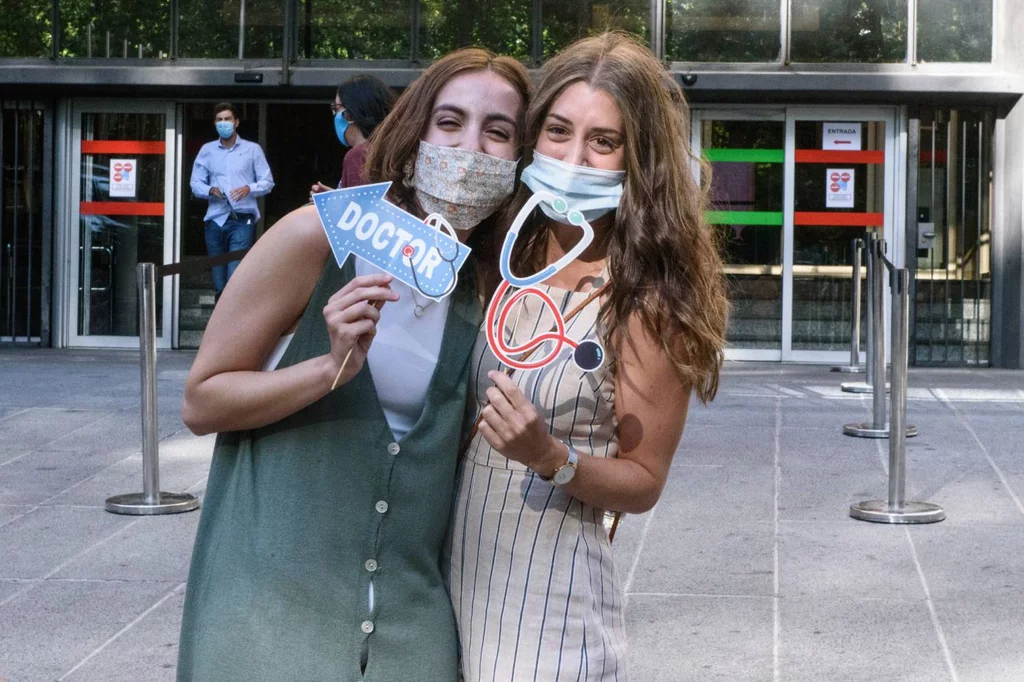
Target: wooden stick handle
[(342, 368)]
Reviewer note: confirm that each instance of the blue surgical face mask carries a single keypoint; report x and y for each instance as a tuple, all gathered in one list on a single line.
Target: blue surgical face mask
[(591, 191), (225, 129), (340, 126)]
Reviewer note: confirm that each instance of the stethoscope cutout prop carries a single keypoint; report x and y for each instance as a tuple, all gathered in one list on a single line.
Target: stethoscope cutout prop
[(587, 355), (440, 225)]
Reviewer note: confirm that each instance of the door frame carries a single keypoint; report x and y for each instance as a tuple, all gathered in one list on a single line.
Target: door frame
[(72, 180), (893, 201)]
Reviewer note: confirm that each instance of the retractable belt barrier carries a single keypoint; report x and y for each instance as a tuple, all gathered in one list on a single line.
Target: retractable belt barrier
[(856, 246), (895, 509), (151, 501)]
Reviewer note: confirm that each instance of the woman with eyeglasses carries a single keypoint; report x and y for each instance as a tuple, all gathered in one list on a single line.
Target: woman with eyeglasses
[(360, 105), (531, 573)]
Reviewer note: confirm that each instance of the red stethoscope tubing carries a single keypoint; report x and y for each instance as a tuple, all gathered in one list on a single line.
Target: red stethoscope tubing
[(497, 315)]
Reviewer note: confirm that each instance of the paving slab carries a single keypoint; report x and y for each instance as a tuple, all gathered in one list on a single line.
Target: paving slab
[(735, 493), (719, 445), (699, 639), (155, 548), (964, 562), (35, 427), (703, 556), (854, 640), (811, 494), (38, 542), (984, 637), (78, 617), (846, 559), (37, 475), (148, 651)]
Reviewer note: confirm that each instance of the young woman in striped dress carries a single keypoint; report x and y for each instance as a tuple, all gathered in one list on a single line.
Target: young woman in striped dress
[(531, 575)]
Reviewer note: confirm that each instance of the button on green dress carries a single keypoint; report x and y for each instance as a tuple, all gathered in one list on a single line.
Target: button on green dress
[(299, 515)]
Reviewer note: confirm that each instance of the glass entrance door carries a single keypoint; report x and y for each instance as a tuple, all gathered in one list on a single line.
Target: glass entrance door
[(789, 189), (122, 215)]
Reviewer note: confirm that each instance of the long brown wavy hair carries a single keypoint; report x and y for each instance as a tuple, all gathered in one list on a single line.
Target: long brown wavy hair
[(664, 261), (396, 141)]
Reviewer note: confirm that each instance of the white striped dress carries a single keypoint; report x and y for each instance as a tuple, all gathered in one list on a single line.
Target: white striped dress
[(531, 574)]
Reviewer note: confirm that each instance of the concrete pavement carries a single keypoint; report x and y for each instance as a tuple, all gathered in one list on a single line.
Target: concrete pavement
[(749, 568)]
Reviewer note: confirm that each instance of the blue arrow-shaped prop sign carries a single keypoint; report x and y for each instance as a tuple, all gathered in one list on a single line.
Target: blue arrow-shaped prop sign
[(359, 220)]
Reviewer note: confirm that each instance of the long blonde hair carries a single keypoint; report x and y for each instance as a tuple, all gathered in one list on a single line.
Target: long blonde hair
[(664, 260)]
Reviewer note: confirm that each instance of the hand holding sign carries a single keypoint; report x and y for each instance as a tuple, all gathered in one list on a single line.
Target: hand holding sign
[(351, 316), (359, 220)]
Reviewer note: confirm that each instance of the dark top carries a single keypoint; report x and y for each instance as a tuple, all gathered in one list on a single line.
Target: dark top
[(352, 166), (299, 516)]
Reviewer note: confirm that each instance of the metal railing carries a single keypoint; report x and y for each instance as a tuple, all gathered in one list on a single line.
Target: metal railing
[(894, 509), (151, 501), (857, 246)]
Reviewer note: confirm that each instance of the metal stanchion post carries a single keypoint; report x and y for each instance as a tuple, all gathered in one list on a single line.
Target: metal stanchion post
[(896, 509), (869, 321), (150, 501), (854, 367), (877, 428)]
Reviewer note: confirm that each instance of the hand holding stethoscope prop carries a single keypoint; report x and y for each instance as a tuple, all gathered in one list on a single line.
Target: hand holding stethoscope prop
[(449, 253), (587, 355)]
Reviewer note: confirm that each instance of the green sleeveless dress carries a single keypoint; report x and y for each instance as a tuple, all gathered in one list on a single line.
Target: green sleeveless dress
[(299, 515)]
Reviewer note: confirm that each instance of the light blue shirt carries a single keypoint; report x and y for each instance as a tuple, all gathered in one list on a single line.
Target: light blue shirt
[(219, 166)]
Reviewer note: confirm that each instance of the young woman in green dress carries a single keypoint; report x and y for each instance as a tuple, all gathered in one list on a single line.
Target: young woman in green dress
[(317, 553)]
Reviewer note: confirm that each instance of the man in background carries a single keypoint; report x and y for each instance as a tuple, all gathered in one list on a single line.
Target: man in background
[(231, 173)]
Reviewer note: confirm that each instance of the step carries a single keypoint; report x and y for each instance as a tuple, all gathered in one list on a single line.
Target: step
[(194, 318), (191, 298), (189, 338)]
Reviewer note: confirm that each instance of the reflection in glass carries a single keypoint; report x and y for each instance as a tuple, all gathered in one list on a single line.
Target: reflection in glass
[(499, 25), (859, 31), (746, 201), (112, 245), (26, 29), (954, 31), (232, 29), (566, 21), (953, 274), (717, 31), (118, 29), (822, 251), (368, 29)]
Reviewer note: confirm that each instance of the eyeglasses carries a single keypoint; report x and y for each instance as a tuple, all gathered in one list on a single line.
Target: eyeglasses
[(335, 108)]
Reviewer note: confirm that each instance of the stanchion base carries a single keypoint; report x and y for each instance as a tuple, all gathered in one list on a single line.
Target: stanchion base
[(868, 430), (136, 505), (859, 387), (849, 369), (877, 511)]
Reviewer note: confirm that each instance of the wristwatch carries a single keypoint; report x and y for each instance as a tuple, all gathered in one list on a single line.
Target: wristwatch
[(567, 471)]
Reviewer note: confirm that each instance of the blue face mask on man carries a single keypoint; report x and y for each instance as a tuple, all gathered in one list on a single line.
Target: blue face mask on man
[(591, 191), (340, 126), (225, 129)]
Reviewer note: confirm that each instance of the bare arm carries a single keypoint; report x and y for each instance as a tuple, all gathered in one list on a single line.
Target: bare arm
[(225, 390), (651, 404)]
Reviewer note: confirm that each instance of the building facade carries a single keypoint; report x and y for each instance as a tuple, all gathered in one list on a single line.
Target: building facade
[(822, 121)]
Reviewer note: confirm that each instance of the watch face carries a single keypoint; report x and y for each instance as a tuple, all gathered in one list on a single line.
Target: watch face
[(564, 475)]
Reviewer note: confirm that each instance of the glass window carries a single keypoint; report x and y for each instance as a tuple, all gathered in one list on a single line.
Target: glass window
[(858, 31), (566, 21), (500, 25), (232, 29), (26, 30), (746, 194), (122, 29), (722, 30), (954, 31), (369, 29)]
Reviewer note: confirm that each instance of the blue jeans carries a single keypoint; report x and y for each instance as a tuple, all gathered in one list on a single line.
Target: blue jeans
[(233, 235)]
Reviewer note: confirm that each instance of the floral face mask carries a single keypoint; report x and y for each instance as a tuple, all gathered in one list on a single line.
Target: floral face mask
[(463, 186)]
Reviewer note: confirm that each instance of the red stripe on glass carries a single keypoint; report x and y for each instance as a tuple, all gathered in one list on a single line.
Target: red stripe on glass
[(838, 156), (120, 208), (821, 218), (122, 147)]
